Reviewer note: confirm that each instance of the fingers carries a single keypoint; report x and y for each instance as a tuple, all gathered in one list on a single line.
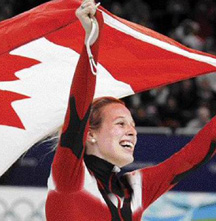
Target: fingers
[(85, 13), (88, 7)]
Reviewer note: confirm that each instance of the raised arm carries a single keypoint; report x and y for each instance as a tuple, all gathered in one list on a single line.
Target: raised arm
[(67, 167), (161, 178)]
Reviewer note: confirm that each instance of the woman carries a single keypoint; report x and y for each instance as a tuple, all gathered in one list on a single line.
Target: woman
[(96, 140)]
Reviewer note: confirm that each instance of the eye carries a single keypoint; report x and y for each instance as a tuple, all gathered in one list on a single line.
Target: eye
[(121, 123)]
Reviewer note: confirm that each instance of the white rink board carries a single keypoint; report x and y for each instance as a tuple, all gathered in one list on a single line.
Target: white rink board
[(28, 204)]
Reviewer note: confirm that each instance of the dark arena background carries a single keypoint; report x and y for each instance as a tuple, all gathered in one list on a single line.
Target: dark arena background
[(166, 118)]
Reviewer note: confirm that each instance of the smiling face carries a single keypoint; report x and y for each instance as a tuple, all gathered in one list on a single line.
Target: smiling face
[(116, 137)]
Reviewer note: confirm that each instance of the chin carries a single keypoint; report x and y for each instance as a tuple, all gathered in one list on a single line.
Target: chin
[(126, 161)]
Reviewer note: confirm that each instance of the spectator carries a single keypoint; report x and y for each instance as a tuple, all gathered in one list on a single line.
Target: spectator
[(116, 8), (203, 117), (187, 99), (210, 44), (178, 10), (146, 117), (6, 11), (138, 11), (205, 92), (203, 14), (187, 34), (211, 80), (170, 113), (160, 95)]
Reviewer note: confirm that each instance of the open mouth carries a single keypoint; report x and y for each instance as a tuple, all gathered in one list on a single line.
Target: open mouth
[(127, 145)]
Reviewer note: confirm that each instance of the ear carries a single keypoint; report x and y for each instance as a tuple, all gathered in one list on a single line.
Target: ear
[(90, 136)]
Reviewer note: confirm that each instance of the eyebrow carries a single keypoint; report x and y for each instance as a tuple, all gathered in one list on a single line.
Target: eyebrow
[(124, 118)]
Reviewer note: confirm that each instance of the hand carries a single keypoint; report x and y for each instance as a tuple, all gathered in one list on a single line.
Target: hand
[(84, 13)]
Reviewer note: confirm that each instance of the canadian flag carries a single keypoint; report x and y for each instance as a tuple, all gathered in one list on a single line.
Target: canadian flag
[(39, 51)]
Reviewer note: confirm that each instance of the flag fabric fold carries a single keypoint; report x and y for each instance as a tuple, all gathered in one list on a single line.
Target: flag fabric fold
[(39, 51)]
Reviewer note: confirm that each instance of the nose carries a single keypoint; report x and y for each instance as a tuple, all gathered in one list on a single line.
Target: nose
[(131, 131)]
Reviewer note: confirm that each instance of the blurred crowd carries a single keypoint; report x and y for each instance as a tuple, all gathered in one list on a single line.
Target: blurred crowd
[(10, 8), (189, 103)]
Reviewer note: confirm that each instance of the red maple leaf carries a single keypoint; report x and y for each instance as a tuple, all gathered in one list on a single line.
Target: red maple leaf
[(9, 64)]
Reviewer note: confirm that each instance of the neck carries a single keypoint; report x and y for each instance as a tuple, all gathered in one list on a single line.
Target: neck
[(100, 167)]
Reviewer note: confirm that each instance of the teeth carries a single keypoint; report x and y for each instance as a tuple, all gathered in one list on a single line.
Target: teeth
[(126, 144)]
